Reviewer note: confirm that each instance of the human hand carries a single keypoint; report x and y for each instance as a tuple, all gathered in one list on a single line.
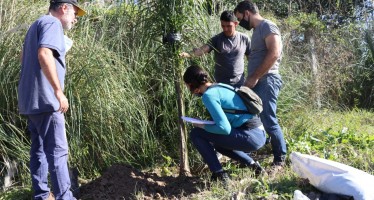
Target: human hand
[(64, 104), (251, 82), (185, 55)]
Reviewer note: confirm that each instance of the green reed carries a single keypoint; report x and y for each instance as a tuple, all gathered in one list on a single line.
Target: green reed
[(120, 85)]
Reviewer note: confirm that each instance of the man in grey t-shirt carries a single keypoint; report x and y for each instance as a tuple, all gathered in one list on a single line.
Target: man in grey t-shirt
[(230, 47), (42, 100), (263, 75)]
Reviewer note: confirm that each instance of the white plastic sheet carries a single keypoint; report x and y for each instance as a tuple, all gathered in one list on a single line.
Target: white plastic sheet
[(298, 195), (333, 177)]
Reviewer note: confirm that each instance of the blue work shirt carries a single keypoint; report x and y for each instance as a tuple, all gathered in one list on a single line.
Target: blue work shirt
[(35, 93)]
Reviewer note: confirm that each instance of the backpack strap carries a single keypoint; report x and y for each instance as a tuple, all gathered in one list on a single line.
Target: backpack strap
[(231, 111)]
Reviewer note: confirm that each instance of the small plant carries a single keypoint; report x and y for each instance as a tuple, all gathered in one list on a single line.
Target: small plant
[(168, 161)]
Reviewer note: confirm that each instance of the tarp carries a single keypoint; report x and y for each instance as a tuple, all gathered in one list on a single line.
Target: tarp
[(333, 177)]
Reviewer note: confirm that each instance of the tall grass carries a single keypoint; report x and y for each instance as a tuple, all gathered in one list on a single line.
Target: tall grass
[(14, 140), (120, 85), (344, 64), (109, 120), (124, 84)]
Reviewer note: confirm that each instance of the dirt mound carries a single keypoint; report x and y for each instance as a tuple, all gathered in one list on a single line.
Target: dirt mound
[(125, 182)]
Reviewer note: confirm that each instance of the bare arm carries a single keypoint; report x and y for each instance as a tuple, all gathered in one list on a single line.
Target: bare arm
[(273, 45), (196, 52), (48, 66)]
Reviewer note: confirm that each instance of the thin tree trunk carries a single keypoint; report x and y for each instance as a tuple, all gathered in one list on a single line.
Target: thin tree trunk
[(314, 67), (184, 169)]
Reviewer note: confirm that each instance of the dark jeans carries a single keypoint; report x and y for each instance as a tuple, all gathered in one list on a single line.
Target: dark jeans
[(49, 152), (267, 89), (234, 146)]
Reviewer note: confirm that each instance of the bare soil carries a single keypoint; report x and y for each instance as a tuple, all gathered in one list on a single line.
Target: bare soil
[(125, 182)]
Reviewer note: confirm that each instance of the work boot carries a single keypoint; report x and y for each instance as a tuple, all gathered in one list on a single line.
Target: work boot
[(257, 168)]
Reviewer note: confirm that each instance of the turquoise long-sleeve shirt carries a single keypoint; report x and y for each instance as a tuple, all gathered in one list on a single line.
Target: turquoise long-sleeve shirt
[(217, 98)]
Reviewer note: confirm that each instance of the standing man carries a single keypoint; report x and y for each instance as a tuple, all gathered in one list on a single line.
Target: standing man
[(41, 98), (263, 72), (229, 47)]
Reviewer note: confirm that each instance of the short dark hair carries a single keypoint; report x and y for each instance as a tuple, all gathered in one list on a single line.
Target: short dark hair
[(195, 76), (246, 5), (228, 16)]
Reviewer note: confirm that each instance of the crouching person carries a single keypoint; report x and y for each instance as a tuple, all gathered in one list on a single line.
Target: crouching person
[(232, 134)]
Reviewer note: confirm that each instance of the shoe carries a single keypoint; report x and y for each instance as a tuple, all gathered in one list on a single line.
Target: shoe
[(257, 168), (222, 176)]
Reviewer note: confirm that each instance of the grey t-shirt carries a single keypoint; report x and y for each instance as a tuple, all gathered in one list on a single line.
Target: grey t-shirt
[(258, 46), (229, 57), (35, 93)]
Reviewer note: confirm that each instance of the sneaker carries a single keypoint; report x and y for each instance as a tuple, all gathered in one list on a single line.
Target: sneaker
[(257, 168), (219, 176), (222, 176)]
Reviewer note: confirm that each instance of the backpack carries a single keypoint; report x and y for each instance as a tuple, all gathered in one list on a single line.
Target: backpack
[(250, 99)]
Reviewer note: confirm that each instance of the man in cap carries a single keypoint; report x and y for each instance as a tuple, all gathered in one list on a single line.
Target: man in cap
[(42, 100)]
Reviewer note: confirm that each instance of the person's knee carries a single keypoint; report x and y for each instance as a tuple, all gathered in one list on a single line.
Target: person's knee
[(61, 150), (56, 152), (273, 131)]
